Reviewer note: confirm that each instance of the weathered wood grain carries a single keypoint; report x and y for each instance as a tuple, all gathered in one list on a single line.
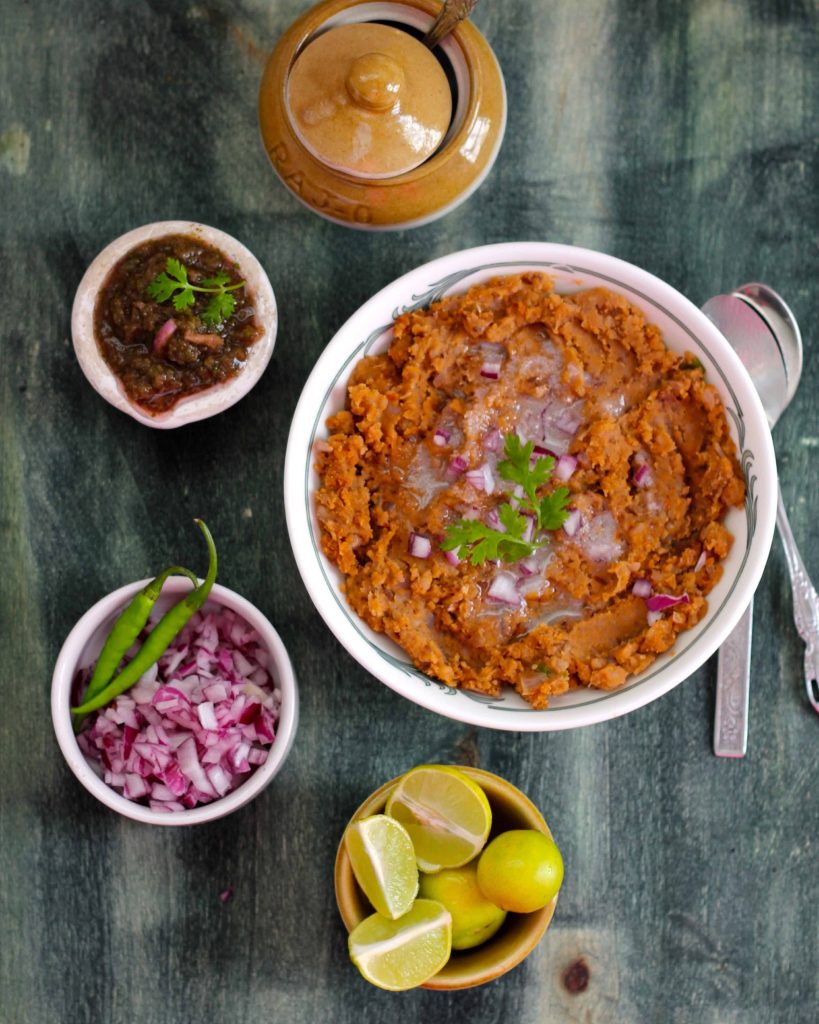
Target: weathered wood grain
[(679, 135)]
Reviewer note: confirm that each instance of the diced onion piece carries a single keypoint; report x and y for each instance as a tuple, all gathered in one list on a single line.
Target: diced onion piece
[(660, 602), (572, 522), (492, 364), (206, 340), (163, 336), (457, 466), (493, 520), (504, 590), (700, 561), (569, 420), (642, 588), (207, 716), (482, 478), (419, 546), (452, 557), (643, 477), (564, 467), (440, 437), (527, 566), (492, 440), (529, 531), (653, 617)]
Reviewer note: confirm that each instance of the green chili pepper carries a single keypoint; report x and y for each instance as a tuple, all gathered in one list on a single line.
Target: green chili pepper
[(127, 628), (160, 637)]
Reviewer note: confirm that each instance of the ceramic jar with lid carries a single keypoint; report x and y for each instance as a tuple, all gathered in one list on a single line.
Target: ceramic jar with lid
[(371, 129)]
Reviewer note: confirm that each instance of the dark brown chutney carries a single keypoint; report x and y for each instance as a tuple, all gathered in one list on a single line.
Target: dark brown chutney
[(196, 355)]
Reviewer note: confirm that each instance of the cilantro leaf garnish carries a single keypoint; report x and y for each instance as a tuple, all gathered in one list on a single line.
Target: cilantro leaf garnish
[(479, 542), (554, 509), (483, 542), (173, 284), (219, 308)]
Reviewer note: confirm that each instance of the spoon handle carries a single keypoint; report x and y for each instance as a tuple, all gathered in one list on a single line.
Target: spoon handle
[(805, 603), (452, 12), (733, 689)]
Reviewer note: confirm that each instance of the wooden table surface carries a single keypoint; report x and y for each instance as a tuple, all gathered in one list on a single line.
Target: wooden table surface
[(679, 135)]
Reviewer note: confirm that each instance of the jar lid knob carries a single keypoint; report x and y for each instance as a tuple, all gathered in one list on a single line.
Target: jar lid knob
[(375, 81)]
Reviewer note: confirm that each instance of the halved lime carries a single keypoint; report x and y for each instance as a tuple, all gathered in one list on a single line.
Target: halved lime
[(383, 862), (402, 954), (445, 813)]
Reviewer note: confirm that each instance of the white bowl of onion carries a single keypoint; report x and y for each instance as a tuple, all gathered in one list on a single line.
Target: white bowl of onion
[(202, 733), (684, 329)]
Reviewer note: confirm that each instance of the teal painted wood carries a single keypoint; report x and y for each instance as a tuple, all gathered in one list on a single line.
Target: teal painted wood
[(680, 136)]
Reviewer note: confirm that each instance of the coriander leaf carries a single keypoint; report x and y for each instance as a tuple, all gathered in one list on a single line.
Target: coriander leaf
[(162, 287), (177, 270), (218, 281), (472, 539), (183, 299), (174, 282), (520, 469), (553, 509), (219, 308)]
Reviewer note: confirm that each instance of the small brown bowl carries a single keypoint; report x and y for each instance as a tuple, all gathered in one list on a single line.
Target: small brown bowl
[(519, 934)]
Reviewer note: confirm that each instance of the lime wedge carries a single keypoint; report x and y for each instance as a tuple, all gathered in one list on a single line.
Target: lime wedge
[(445, 813), (383, 862), (402, 954)]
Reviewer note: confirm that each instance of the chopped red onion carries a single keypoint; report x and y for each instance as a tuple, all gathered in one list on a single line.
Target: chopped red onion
[(195, 724), (700, 561), (564, 467), (457, 466), (660, 602), (569, 419), (492, 440), (492, 361), (642, 588), (527, 567), (529, 531), (452, 557), (440, 437), (493, 520), (419, 546), (653, 617), (482, 478), (503, 589), (163, 336), (207, 715), (573, 522), (643, 476)]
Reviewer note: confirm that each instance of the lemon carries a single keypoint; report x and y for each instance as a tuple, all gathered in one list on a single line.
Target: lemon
[(474, 918), (383, 862), (402, 954), (445, 813), (520, 870)]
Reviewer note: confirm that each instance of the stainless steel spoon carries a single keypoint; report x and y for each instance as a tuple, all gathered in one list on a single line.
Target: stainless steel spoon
[(761, 328), (453, 12)]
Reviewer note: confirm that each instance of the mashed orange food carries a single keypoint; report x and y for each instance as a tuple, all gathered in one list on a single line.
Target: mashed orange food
[(416, 449)]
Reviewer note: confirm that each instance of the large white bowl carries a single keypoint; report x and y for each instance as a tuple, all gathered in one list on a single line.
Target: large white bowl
[(684, 328)]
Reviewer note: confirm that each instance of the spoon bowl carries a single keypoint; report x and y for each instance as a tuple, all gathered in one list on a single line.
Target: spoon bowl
[(765, 335)]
